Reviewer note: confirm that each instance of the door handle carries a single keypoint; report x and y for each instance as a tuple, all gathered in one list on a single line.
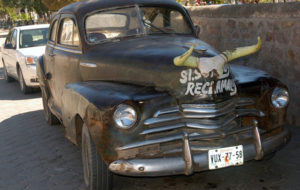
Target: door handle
[(48, 76), (51, 54)]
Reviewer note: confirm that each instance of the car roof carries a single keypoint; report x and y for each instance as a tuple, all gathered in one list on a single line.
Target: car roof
[(81, 8), (29, 27)]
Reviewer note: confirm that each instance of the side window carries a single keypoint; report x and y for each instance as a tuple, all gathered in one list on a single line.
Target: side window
[(8, 38), (176, 23), (53, 31), (159, 20), (68, 33), (14, 39)]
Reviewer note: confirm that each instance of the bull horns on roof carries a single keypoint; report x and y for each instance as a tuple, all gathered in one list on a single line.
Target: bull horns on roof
[(207, 64)]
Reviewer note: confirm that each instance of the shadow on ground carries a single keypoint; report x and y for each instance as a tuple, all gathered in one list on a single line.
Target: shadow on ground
[(12, 91), (37, 156)]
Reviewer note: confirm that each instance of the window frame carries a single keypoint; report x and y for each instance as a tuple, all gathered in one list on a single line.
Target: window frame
[(8, 38), (16, 38), (59, 30), (55, 19)]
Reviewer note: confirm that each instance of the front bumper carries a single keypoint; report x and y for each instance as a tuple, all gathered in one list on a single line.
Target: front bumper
[(188, 163), (30, 76)]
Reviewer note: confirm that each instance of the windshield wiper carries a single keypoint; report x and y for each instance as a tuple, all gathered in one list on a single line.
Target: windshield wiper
[(148, 23)]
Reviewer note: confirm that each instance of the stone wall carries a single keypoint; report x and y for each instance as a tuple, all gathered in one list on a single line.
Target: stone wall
[(230, 26)]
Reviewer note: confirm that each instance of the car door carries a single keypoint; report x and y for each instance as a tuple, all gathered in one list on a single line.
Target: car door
[(13, 54), (67, 54), (6, 50), (9, 53), (49, 58)]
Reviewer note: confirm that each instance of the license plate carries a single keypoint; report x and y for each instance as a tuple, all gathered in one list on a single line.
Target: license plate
[(224, 157)]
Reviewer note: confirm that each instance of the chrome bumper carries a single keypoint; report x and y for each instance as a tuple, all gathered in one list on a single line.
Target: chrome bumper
[(188, 163)]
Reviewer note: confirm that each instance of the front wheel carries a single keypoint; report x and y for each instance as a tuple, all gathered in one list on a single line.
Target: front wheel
[(6, 76), (24, 88), (95, 171), (49, 116)]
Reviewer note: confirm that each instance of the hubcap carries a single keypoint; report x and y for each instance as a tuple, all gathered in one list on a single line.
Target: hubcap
[(5, 72), (21, 80)]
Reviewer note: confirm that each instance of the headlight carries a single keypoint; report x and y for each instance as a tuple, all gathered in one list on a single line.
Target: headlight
[(280, 97), (30, 60), (125, 116)]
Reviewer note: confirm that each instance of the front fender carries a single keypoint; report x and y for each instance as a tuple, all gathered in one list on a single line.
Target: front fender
[(94, 102), (40, 70)]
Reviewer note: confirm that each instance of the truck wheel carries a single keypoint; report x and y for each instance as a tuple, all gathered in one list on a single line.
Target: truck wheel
[(7, 78), (25, 89), (95, 171), (49, 116)]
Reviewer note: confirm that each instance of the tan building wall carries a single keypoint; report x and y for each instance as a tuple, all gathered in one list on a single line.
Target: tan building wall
[(230, 26)]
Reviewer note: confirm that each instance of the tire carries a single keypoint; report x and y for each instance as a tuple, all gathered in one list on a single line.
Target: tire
[(269, 156), (49, 116), (24, 88), (6, 76), (95, 172)]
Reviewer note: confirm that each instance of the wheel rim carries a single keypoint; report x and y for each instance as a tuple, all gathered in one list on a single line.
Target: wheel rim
[(5, 72), (85, 161), (21, 80), (46, 109)]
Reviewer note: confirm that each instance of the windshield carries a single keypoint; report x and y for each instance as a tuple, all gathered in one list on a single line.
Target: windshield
[(33, 37), (118, 23)]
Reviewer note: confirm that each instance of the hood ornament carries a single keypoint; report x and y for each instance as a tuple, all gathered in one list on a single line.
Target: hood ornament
[(208, 64)]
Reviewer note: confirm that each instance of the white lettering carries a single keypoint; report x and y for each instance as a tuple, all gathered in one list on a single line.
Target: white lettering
[(183, 78), (190, 88), (198, 88), (204, 91)]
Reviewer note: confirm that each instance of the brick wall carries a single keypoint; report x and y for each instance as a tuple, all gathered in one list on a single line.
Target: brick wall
[(230, 26)]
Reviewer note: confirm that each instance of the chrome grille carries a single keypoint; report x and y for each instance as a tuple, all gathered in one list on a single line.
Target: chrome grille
[(200, 122)]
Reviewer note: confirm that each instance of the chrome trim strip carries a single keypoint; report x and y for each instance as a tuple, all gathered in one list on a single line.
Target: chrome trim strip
[(182, 125), (253, 112), (192, 136), (155, 120), (244, 102), (64, 49), (166, 111), (50, 45), (150, 142), (210, 115), (188, 157), (257, 142), (212, 105), (68, 50), (209, 110), (91, 65), (162, 129)]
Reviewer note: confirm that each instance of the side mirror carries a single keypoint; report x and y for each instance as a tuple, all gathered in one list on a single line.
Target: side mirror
[(197, 30), (8, 46)]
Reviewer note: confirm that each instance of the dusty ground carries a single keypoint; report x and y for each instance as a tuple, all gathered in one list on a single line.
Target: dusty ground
[(34, 156)]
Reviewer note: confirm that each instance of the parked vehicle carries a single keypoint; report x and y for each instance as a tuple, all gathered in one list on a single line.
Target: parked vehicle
[(22, 48), (143, 96)]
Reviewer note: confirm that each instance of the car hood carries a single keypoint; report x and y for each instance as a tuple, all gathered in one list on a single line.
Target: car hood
[(33, 51), (148, 61)]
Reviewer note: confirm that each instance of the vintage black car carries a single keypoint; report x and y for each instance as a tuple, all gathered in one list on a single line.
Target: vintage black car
[(143, 96)]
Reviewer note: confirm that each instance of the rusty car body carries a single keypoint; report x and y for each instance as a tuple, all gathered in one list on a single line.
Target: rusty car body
[(109, 75)]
